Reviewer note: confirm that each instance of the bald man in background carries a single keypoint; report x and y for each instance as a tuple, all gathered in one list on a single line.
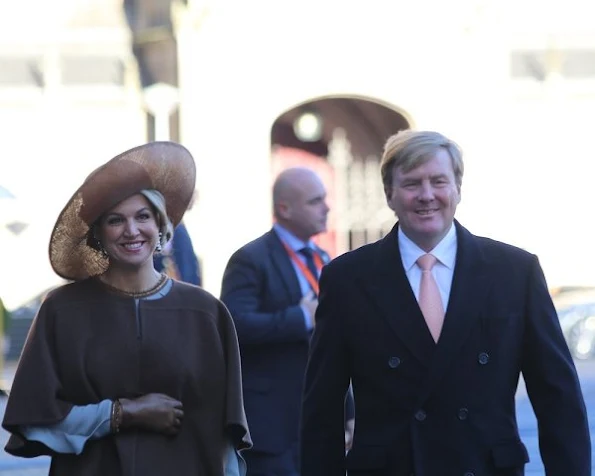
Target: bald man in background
[(270, 286)]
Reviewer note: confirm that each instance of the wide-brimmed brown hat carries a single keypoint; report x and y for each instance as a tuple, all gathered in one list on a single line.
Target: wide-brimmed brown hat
[(164, 166)]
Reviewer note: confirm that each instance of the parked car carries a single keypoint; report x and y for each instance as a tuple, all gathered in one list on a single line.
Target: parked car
[(576, 311)]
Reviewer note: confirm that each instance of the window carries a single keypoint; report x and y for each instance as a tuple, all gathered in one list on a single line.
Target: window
[(536, 64), (21, 71), (88, 70)]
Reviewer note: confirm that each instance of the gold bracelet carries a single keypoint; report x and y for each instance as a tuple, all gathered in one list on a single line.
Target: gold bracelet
[(116, 417)]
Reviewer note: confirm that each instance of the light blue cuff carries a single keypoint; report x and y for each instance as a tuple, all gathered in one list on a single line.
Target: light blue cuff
[(234, 464), (309, 325), (83, 423)]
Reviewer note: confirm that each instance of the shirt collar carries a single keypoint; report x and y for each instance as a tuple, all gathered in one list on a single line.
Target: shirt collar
[(445, 251), (290, 239)]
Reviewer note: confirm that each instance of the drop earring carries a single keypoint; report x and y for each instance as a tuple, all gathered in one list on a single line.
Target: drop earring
[(102, 250), (158, 248)]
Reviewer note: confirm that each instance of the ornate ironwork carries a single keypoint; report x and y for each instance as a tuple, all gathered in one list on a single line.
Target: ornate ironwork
[(362, 215)]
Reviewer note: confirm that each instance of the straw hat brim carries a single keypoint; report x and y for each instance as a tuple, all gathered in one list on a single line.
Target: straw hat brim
[(164, 166)]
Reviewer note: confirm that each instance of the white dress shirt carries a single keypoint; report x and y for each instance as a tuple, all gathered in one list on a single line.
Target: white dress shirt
[(446, 254)]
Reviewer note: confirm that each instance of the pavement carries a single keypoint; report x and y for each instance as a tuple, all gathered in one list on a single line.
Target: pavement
[(528, 424), (11, 466)]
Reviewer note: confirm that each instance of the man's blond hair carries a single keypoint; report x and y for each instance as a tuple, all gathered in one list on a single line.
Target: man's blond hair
[(409, 149)]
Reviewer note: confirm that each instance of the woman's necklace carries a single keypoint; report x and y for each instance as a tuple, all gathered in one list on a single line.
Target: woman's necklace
[(139, 294)]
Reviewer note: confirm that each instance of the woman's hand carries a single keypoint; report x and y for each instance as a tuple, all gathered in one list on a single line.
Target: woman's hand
[(153, 412)]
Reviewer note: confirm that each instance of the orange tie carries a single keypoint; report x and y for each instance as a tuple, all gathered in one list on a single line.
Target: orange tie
[(430, 301)]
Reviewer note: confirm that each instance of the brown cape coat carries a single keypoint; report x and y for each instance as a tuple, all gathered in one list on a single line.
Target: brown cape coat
[(86, 345)]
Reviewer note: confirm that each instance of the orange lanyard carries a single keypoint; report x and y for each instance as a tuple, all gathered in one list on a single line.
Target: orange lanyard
[(312, 280)]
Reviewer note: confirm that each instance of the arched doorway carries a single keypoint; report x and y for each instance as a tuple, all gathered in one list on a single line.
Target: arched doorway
[(342, 139)]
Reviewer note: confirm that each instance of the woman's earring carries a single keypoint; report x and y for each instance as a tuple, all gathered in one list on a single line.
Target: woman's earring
[(158, 248), (102, 250)]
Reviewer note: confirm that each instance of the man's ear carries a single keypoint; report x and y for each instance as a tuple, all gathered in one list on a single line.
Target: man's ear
[(387, 192), (284, 210)]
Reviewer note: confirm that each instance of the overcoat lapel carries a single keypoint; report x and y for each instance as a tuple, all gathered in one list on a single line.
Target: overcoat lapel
[(389, 289), (282, 263), (470, 287)]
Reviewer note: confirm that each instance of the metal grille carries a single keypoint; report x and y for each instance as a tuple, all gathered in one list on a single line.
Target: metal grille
[(362, 213)]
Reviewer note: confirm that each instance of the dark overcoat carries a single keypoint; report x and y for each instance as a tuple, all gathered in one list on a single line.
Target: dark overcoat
[(445, 409)]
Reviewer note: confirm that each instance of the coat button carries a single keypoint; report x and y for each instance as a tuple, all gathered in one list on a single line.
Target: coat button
[(483, 358), (420, 415), (463, 414), (394, 362), (469, 473)]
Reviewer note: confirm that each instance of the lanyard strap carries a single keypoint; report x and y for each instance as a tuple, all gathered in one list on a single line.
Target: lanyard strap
[(312, 280)]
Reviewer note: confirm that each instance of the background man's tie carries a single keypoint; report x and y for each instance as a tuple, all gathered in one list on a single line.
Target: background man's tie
[(308, 253), (430, 301)]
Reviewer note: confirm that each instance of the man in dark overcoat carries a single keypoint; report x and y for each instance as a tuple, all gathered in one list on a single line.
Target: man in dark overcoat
[(434, 326)]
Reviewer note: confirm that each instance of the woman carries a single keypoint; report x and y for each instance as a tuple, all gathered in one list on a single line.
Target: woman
[(126, 371)]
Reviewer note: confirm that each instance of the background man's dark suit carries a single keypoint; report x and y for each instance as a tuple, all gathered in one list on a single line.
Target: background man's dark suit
[(262, 292), (448, 408)]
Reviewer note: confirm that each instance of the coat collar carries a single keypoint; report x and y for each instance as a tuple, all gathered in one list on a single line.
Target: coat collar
[(390, 289), (296, 244)]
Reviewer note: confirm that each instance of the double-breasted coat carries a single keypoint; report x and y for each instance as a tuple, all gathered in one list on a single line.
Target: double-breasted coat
[(446, 408)]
